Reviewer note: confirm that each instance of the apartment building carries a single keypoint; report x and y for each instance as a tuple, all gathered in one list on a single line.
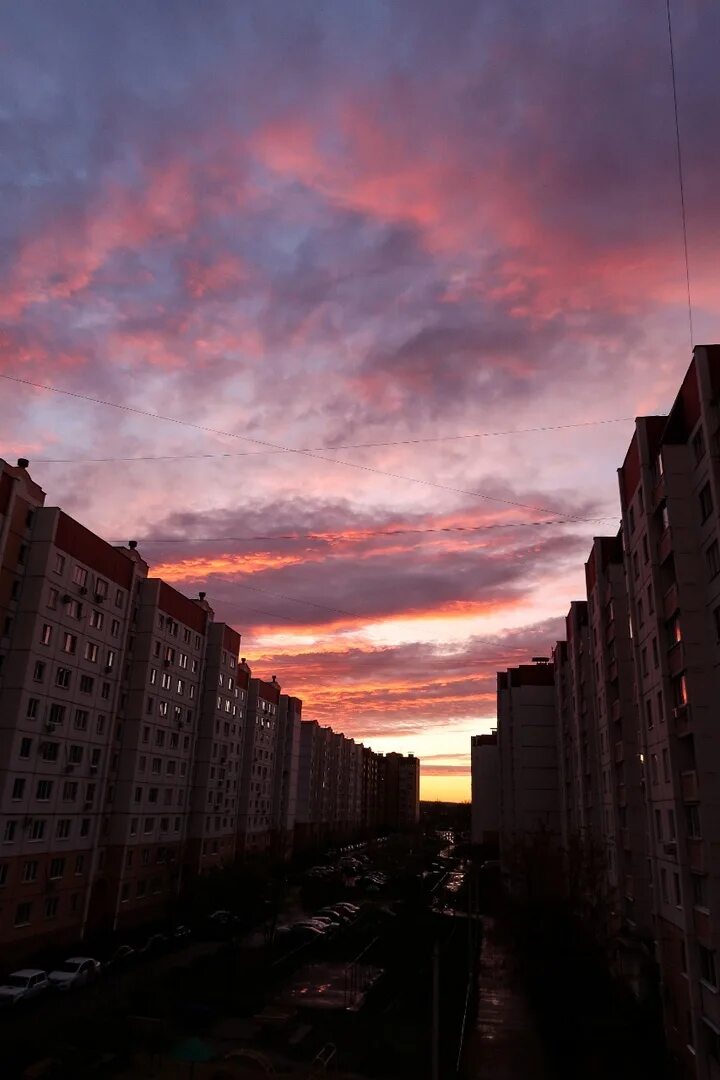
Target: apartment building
[(61, 680), (527, 752), (669, 488), (213, 825), (369, 800), (399, 790), (485, 789), (622, 826), (285, 781), (255, 810)]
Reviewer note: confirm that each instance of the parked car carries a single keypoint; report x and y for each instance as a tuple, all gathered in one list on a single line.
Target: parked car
[(181, 933), (77, 971), (337, 915), (154, 944), (23, 985), (347, 905), (122, 955)]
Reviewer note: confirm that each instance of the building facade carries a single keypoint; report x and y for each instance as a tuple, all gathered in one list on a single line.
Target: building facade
[(485, 789)]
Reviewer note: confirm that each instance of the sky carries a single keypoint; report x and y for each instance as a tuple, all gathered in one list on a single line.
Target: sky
[(388, 234)]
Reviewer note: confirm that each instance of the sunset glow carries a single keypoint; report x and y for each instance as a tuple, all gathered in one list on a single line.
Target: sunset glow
[(380, 223)]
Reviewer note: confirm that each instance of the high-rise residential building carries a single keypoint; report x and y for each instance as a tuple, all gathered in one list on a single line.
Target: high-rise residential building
[(255, 816), (485, 789), (399, 790), (527, 751), (670, 495), (285, 781), (215, 784), (621, 829), (59, 692), (136, 749)]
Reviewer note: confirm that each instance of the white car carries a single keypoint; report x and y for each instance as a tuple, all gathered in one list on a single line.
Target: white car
[(77, 971), (23, 985)]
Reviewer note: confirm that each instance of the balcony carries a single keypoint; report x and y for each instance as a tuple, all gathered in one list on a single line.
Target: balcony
[(658, 493), (701, 925), (696, 855), (665, 545), (689, 786), (615, 711), (619, 751), (676, 659), (682, 718), (670, 601)]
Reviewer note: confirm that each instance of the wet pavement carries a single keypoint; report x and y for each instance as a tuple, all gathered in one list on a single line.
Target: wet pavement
[(503, 1043)]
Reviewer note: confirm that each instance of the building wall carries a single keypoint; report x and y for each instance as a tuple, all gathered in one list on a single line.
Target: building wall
[(485, 780)]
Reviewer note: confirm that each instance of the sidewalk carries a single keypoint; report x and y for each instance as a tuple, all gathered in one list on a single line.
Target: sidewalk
[(503, 1044)]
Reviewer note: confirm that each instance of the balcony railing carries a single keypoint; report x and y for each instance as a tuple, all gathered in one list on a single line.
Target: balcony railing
[(671, 601), (696, 855), (682, 720), (676, 659), (665, 545), (689, 786)]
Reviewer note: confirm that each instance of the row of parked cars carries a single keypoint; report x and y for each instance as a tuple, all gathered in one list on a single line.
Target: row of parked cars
[(28, 983), (325, 922)]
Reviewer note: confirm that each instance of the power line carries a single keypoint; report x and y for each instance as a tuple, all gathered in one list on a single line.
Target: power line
[(362, 533), (680, 172), (340, 446), (275, 446)]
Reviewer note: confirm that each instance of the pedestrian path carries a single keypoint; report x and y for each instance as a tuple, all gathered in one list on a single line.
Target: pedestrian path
[(503, 1043)]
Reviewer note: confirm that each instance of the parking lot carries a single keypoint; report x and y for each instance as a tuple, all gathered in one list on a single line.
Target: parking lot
[(363, 922)]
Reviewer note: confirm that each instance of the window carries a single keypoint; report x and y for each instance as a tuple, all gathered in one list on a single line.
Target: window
[(133, 826), (105, 692), (86, 684), (712, 558), (25, 747), (156, 766), (79, 864), (33, 707), (75, 754), (658, 826), (146, 734), (110, 658), (70, 790), (706, 503), (645, 549), (43, 790), (153, 795), (671, 824), (649, 713), (62, 677), (18, 788), (9, 833), (46, 634), (22, 914), (51, 907), (57, 868), (643, 658), (80, 722), (183, 660), (692, 822), (100, 724), (97, 619), (74, 609), (69, 644), (680, 693), (101, 587), (114, 628), (707, 965), (91, 652), (52, 598), (655, 653), (39, 671), (59, 566), (138, 794), (698, 445), (79, 575), (85, 826), (699, 890), (149, 824), (660, 709), (666, 764), (676, 890), (3, 873), (29, 871), (49, 751), (170, 655)]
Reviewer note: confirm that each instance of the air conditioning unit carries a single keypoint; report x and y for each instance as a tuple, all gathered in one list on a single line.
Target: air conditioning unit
[(83, 590), (66, 598), (99, 598), (166, 663)]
